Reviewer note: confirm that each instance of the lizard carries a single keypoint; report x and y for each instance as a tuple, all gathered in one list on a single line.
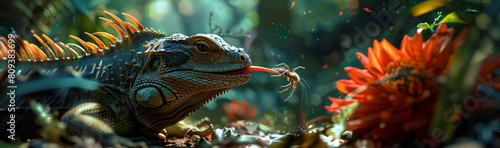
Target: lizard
[(146, 79)]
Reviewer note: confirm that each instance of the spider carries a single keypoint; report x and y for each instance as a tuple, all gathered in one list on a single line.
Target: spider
[(291, 77)]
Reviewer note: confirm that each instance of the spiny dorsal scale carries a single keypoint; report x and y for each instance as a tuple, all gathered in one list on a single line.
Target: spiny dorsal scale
[(56, 48), (78, 47), (97, 40), (71, 52), (34, 54), (107, 35), (3, 47), (137, 23), (134, 61), (118, 29), (122, 24), (109, 46), (90, 51), (51, 54), (42, 54), (64, 51), (93, 47), (131, 27), (24, 53)]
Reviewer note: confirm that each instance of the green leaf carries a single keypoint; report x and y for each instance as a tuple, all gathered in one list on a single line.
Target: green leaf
[(424, 25), (452, 18), (340, 121)]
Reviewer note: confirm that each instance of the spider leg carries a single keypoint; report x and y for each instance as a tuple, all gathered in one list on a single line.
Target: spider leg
[(291, 94), (280, 64), (275, 75), (289, 88), (298, 68), (287, 84)]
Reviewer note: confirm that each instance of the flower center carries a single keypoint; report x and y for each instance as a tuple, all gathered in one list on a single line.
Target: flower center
[(404, 80)]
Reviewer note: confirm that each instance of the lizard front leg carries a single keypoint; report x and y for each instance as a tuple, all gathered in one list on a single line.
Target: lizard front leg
[(98, 121)]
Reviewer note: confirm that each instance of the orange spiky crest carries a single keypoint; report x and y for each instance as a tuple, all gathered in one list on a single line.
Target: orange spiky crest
[(70, 51)]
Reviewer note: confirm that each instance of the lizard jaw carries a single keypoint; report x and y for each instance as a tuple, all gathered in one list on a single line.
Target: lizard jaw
[(187, 110), (238, 71), (189, 100)]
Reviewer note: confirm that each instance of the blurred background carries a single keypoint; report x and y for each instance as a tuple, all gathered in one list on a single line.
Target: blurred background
[(320, 35)]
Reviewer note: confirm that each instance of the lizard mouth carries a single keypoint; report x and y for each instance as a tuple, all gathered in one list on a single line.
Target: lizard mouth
[(245, 70)]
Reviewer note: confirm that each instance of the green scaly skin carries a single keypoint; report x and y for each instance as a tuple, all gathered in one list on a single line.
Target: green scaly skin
[(146, 82)]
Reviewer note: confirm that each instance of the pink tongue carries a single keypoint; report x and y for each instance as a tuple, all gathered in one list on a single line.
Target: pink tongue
[(258, 68), (254, 68)]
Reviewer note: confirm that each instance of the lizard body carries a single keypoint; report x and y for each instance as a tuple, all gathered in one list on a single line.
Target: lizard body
[(146, 81)]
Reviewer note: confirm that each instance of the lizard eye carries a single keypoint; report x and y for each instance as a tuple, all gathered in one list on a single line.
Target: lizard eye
[(202, 48)]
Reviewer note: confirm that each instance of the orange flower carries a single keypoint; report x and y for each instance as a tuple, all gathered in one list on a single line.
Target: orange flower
[(400, 106), (485, 75), (338, 104), (489, 81), (239, 111)]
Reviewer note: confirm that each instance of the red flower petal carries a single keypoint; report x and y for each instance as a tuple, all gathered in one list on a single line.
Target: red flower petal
[(338, 104), (360, 76), (374, 61), (366, 64), (347, 86)]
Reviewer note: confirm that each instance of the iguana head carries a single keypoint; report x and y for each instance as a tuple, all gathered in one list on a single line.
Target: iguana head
[(181, 74)]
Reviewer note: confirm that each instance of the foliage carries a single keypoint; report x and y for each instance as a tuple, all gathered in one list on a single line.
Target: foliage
[(340, 121), (322, 36), (450, 18)]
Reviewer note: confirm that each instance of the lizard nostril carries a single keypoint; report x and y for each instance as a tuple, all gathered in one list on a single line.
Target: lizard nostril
[(242, 58)]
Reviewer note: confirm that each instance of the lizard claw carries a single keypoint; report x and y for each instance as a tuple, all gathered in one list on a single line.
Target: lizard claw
[(204, 128), (181, 129), (200, 132)]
